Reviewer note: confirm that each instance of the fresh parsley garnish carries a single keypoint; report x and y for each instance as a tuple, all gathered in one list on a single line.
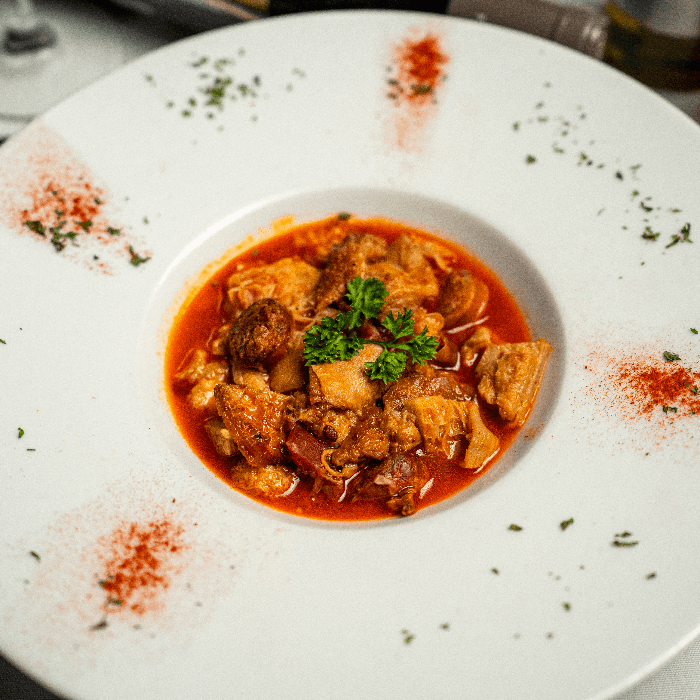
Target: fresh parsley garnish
[(336, 338), (671, 356)]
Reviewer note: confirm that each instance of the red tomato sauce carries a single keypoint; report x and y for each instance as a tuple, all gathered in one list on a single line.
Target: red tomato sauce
[(203, 313)]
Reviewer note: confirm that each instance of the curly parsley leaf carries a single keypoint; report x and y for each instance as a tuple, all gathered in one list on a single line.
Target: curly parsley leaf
[(335, 339)]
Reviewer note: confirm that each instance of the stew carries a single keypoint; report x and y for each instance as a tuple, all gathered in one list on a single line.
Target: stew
[(296, 399)]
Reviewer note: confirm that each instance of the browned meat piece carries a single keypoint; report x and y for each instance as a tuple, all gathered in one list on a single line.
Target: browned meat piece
[(291, 282), (366, 439), (401, 428), (308, 454), (220, 435), (254, 419), (345, 384), (483, 444), (398, 480), (345, 262), (462, 298), (406, 289), (446, 427), (443, 424), (290, 373), (423, 380), (269, 480), (479, 340), (259, 336), (510, 375)]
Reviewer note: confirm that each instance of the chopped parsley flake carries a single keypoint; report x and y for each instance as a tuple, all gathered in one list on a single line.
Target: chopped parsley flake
[(566, 606), (21, 432), (651, 575), (408, 637), (621, 540), (529, 159), (136, 259), (35, 555), (514, 527), (565, 523), (102, 624), (671, 356), (682, 237), (694, 331)]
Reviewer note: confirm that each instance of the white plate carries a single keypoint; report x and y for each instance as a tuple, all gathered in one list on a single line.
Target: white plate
[(262, 605)]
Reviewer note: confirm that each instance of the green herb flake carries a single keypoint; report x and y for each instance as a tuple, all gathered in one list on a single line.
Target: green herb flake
[(669, 409), (650, 235), (530, 159), (671, 356), (565, 523), (622, 540), (35, 555), (514, 527), (650, 575), (694, 331), (445, 626), (344, 216), (408, 637), (495, 571), (20, 432), (3, 342), (102, 624), (114, 231), (36, 226), (85, 225), (136, 259), (566, 606), (682, 237)]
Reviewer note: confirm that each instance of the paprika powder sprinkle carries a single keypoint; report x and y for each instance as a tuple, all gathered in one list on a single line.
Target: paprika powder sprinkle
[(645, 385), (48, 193), (141, 558), (415, 76)]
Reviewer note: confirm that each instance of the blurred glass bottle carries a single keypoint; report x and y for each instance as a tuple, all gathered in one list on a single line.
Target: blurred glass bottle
[(655, 41)]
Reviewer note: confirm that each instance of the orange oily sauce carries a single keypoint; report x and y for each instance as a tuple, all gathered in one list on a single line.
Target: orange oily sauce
[(203, 313)]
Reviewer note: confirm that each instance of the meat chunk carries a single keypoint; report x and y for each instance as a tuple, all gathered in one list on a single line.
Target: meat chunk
[(366, 439), (254, 420), (260, 334), (462, 298), (443, 424), (510, 375), (424, 381), (346, 261), (478, 341), (203, 376), (398, 480), (405, 289), (345, 384), (290, 373), (220, 436), (451, 428), (290, 281), (483, 444), (270, 480)]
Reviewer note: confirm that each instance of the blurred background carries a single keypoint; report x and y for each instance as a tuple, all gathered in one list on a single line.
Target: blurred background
[(52, 48)]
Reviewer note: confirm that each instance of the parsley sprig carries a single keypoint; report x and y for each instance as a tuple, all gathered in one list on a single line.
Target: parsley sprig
[(336, 338)]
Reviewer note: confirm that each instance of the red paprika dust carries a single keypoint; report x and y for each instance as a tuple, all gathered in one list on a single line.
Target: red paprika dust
[(415, 76), (649, 387), (140, 560)]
